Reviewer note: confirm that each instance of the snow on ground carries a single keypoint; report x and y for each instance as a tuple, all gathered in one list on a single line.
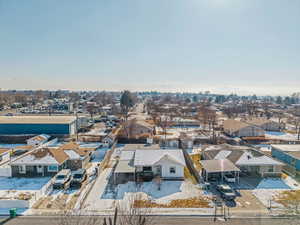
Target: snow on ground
[(268, 188), (5, 211), (2, 145), (280, 136), (23, 183), (169, 190)]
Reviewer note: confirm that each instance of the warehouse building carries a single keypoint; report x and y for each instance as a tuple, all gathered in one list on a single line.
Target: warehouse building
[(29, 125)]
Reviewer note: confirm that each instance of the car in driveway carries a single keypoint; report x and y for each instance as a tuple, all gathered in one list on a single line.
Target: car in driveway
[(62, 179), (78, 177), (230, 178), (227, 193)]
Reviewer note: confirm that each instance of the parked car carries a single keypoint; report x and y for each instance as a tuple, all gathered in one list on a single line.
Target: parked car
[(78, 177), (62, 179), (226, 192), (229, 178)]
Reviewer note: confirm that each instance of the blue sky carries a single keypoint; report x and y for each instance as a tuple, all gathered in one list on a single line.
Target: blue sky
[(242, 46)]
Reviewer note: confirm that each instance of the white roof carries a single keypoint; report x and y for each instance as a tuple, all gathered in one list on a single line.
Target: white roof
[(72, 154), (248, 159), (32, 160), (127, 155), (288, 148), (150, 157), (223, 154)]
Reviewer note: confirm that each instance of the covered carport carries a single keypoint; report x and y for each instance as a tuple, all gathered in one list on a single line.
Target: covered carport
[(124, 172), (218, 168)]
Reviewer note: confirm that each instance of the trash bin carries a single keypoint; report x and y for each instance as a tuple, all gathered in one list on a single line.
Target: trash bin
[(13, 212)]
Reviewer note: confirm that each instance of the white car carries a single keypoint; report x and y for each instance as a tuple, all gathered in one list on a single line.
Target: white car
[(229, 178)]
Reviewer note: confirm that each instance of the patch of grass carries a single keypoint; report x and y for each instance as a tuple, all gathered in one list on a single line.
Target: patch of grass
[(188, 175), (288, 198), (197, 202), (196, 160)]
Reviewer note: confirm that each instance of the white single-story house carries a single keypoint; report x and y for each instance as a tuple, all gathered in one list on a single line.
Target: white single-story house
[(250, 161), (143, 165), (166, 163)]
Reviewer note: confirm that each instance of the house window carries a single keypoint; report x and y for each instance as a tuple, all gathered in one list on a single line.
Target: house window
[(52, 168), (172, 170), (22, 169), (147, 168), (270, 169)]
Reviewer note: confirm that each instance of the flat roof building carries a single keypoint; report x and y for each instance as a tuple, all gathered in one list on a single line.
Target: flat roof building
[(52, 125)]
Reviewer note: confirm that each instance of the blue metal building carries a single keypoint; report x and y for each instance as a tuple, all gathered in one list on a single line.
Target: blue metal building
[(289, 154), (17, 125)]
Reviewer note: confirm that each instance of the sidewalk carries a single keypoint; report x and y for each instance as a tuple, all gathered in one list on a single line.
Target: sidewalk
[(93, 201)]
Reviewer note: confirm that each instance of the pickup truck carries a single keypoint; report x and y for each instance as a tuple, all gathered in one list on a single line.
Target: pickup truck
[(62, 179)]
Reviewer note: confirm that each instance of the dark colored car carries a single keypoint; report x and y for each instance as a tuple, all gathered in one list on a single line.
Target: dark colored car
[(226, 192), (78, 177)]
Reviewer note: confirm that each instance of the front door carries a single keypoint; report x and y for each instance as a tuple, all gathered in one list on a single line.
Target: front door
[(158, 170), (40, 169)]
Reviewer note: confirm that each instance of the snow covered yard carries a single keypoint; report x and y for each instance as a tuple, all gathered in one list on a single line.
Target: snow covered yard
[(36, 183), (268, 190), (169, 192)]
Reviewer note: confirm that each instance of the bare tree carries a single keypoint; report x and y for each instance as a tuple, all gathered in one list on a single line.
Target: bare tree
[(77, 217), (131, 213)]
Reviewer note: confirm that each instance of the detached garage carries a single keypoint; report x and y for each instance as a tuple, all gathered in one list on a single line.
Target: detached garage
[(52, 125)]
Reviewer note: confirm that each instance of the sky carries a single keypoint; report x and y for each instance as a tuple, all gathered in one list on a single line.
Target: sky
[(225, 46)]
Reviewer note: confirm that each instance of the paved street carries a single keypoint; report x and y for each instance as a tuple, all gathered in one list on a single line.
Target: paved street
[(164, 220)]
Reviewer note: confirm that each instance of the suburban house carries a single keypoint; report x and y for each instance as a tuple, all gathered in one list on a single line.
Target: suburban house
[(250, 161), (145, 164), (38, 140), (289, 154), (265, 124), (48, 161), (237, 128), (41, 162)]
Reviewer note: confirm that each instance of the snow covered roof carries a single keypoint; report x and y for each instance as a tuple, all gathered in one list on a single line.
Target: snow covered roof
[(287, 148), (127, 155), (223, 154), (249, 159), (42, 156), (72, 154), (216, 166), (151, 157), (41, 137), (239, 155)]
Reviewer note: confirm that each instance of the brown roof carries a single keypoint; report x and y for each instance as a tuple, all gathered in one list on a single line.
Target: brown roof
[(234, 125), (69, 146), (258, 121), (3, 150), (24, 147), (59, 155), (82, 151), (37, 119)]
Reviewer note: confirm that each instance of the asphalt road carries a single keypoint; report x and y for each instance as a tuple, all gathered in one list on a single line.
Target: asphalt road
[(162, 220)]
